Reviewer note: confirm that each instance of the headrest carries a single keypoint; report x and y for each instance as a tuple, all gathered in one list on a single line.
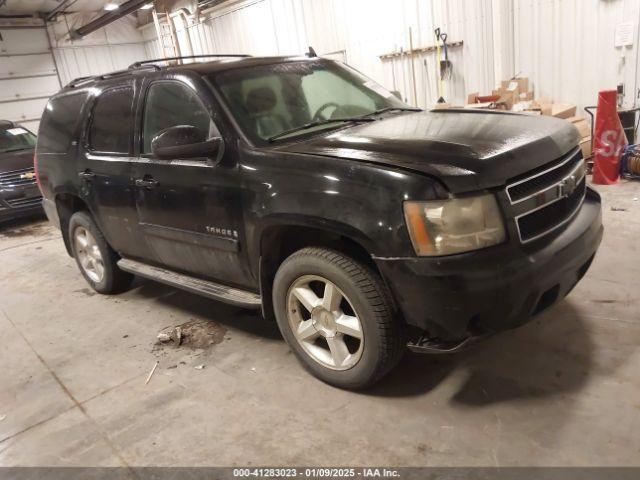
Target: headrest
[(261, 100)]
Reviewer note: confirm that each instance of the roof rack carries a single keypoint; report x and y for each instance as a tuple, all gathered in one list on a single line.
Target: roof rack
[(76, 82), (143, 65), (188, 57)]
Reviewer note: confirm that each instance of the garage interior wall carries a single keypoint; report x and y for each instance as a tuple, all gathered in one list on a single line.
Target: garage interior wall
[(28, 74), (114, 47), (566, 47)]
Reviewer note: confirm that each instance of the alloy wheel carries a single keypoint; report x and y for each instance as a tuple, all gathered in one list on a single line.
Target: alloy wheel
[(88, 254), (324, 322)]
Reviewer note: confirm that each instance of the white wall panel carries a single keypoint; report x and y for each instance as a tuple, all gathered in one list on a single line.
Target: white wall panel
[(111, 48), (358, 31), (27, 74), (567, 47)]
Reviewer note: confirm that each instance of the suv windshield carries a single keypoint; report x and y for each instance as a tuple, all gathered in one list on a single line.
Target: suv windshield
[(293, 98), (16, 138)]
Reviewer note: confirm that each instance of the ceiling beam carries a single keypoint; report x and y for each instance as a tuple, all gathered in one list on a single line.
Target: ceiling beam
[(123, 10)]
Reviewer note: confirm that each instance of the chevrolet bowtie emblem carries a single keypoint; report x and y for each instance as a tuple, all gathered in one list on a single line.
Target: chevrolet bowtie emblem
[(567, 186), (28, 176)]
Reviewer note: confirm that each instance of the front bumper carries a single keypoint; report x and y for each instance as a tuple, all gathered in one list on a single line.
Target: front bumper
[(30, 206), (498, 288)]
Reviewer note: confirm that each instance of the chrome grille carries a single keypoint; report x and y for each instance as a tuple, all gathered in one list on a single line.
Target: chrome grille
[(18, 178), (25, 202), (545, 200)]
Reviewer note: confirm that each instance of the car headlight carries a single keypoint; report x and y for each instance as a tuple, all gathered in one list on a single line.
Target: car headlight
[(443, 227)]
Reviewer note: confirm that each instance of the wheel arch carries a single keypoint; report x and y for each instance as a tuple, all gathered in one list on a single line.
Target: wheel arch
[(278, 241), (66, 205)]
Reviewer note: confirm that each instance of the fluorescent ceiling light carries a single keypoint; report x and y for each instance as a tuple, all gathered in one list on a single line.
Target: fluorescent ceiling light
[(146, 6), (111, 6)]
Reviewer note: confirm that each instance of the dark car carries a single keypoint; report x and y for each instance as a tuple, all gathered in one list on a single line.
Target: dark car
[(302, 188), (19, 194)]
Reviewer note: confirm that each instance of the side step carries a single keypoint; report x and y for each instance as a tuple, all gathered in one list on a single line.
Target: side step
[(216, 291)]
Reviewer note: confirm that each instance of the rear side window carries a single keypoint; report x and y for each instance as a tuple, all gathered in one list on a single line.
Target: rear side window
[(112, 121), (59, 123)]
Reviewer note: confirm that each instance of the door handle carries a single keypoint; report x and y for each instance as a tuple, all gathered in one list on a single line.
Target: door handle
[(86, 175), (146, 182)]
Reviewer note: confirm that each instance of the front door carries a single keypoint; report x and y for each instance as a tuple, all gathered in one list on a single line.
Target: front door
[(189, 210)]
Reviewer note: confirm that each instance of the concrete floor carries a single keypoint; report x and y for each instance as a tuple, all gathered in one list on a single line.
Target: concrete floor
[(563, 390)]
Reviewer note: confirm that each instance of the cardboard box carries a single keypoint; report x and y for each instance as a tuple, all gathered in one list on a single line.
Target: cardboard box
[(563, 110), (472, 97), (485, 105), (507, 98), (585, 146), (525, 96), (515, 85), (582, 125)]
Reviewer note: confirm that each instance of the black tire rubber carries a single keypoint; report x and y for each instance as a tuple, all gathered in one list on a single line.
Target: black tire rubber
[(384, 332), (114, 280)]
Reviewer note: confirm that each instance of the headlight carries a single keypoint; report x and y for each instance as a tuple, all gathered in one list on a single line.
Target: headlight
[(443, 227)]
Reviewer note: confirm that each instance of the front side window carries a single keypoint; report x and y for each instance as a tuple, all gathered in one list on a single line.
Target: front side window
[(112, 121), (271, 100), (14, 139), (170, 104)]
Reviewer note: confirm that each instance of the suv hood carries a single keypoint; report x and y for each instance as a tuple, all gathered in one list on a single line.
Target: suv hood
[(17, 160), (466, 150)]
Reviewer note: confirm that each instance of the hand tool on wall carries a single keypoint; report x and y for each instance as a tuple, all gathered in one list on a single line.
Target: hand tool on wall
[(439, 78)]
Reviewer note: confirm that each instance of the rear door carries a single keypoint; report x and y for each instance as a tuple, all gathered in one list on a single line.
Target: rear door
[(189, 209), (105, 168)]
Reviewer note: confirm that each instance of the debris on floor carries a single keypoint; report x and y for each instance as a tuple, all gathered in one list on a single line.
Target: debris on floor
[(196, 334), (164, 337), (151, 372), (618, 209), (2, 417), (199, 367)]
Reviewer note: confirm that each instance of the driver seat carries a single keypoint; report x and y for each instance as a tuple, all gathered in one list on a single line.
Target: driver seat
[(260, 103)]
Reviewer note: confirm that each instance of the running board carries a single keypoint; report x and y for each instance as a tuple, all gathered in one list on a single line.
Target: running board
[(215, 291)]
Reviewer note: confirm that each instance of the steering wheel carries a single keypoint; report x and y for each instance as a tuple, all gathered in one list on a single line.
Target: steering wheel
[(318, 116)]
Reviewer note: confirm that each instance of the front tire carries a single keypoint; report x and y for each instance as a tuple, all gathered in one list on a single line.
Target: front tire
[(95, 258), (337, 316)]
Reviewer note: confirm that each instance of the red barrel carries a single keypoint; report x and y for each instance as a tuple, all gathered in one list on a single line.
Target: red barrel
[(610, 140)]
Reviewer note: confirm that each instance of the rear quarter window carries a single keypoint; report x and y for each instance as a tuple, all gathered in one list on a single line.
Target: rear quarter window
[(59, 123)]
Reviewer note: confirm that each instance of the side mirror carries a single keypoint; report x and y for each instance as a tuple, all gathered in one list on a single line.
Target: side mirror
[(184, 141)]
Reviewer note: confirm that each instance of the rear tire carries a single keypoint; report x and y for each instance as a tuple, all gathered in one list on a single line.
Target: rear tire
[(95, 258), (337, 316)]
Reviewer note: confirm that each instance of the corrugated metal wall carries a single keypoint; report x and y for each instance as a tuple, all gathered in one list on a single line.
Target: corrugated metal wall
[(358, 31), (111, 48), (565, 46)]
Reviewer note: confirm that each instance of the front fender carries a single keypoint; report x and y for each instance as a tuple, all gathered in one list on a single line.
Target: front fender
[(360, 201)]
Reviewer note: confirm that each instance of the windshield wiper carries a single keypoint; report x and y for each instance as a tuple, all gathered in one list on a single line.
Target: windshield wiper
[(393, 109), (309, 125)]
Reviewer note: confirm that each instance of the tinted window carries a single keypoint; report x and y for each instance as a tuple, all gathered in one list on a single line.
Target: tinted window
[(59, 122), (112, 121), (170, 104)]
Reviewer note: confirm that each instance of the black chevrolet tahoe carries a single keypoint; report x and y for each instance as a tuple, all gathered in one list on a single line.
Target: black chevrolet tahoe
[(302, 188), (19, 194)]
